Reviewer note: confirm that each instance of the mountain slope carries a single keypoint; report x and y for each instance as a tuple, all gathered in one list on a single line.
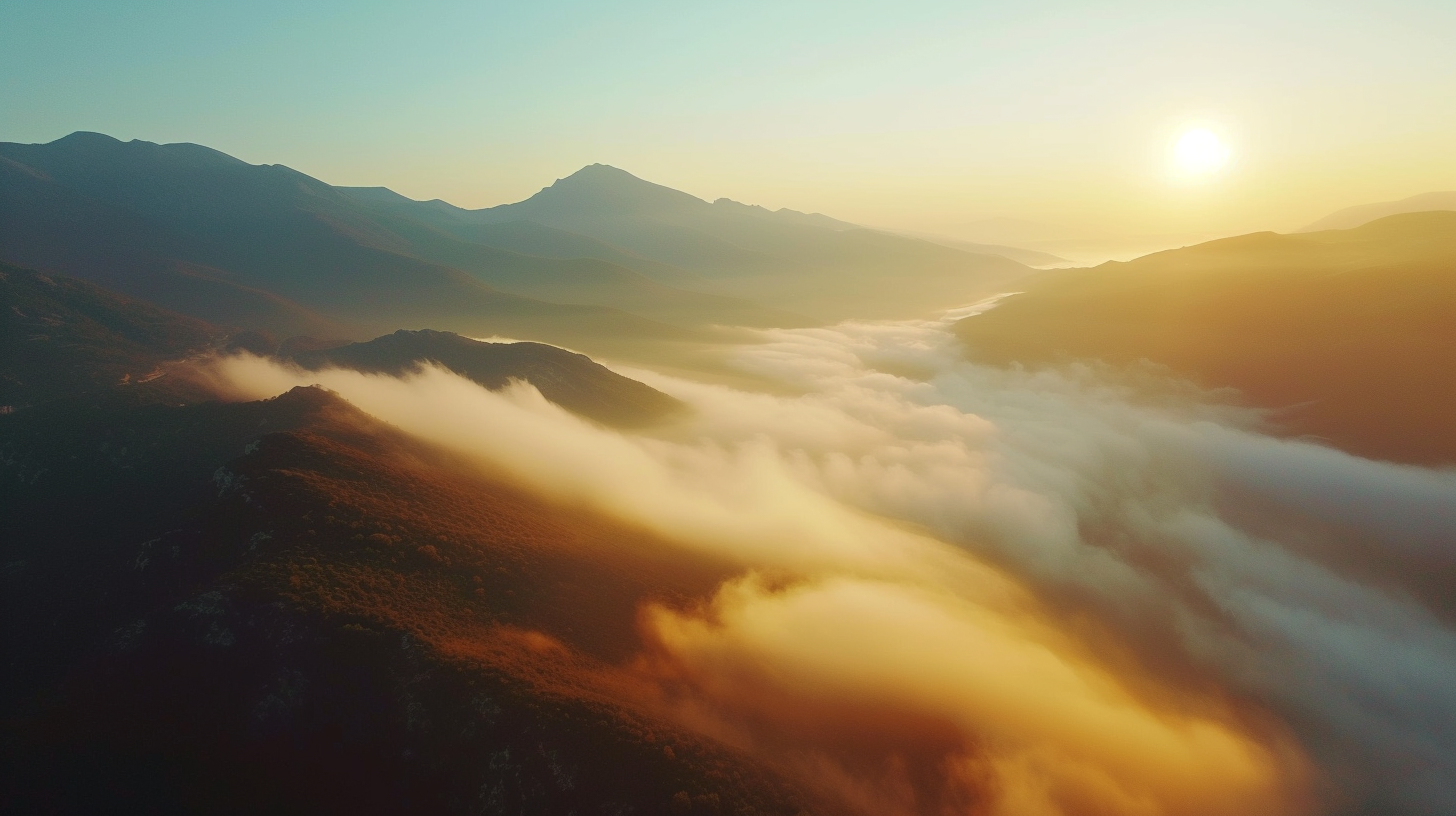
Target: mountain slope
[(1352, 217), (806, 263), (522, 237), (572, 381), (584, 281), (1349, 333), (62, 338), (140, 206), (287, 607), (48, 226)]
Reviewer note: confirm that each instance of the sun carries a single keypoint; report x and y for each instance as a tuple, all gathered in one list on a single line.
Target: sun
[(1199, 153)]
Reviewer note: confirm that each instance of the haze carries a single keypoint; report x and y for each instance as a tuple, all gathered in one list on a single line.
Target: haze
[(928, 117)]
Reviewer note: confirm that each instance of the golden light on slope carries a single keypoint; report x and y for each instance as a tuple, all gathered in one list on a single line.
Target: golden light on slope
[(1199, 153)]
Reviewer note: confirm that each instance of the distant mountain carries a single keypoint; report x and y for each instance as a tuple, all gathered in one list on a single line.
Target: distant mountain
[(203, 233), (50, 226), (803, 262), (1352, 217), (1014, 231), (573, 381), (1349, 333), (288, 607), (524, 237), (1030, 257)]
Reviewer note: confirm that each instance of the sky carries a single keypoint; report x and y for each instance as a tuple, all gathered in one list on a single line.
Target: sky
[(928, 116)]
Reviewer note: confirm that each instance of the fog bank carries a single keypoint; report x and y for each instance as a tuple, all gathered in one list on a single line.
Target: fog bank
[(969, 589)]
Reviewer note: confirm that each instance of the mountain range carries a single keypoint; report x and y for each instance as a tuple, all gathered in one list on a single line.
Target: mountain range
[(598, 259), (1357, 216), (810, 263)]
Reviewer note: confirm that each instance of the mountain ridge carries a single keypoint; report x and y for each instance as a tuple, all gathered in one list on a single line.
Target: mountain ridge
[(1362, 214), (573, 381), (269, 229), (1343, 334), (806, 263)]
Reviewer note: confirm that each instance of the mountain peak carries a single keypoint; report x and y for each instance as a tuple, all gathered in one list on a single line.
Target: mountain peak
[(89, 146), (603, 171), (602, 186), (84, 137)]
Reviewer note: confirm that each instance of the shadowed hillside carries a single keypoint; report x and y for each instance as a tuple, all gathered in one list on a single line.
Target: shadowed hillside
[(572, 381), (51, 227), (64, 338), (285, 607), (1349, 333)]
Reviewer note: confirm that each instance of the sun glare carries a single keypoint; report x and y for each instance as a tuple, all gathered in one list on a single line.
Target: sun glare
[(1199, 153)]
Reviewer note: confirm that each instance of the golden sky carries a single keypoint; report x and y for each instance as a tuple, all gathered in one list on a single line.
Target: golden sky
[(927, 116)]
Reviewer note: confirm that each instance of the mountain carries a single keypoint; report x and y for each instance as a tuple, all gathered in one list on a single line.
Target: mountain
[(50, 226), (1352, 217), (287, 607), (523, 237), (1030, 257), (807, 263), (586, 281), (1349, 334), (267, 247), (62, 338), (573, 381)]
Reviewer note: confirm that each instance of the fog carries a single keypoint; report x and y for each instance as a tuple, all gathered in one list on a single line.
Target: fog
[(970, 589)]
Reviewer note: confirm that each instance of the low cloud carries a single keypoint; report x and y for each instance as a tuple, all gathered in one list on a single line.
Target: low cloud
[(1002, 591)]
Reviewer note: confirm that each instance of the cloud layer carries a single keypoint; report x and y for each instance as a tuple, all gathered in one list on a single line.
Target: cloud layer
[(976, 590)]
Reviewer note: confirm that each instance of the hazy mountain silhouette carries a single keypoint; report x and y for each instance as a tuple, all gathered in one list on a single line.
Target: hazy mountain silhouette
[(1352, 217), (573, 381), (524, 237), (803, 262), (1349, 332), (153, 220), (1030, 257), (50, 226)]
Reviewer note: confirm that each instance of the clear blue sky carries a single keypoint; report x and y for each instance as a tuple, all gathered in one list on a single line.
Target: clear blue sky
[(906, 114)]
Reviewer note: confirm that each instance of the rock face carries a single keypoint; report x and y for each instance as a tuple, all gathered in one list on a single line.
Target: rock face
[(285, 607), (570, 380)]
